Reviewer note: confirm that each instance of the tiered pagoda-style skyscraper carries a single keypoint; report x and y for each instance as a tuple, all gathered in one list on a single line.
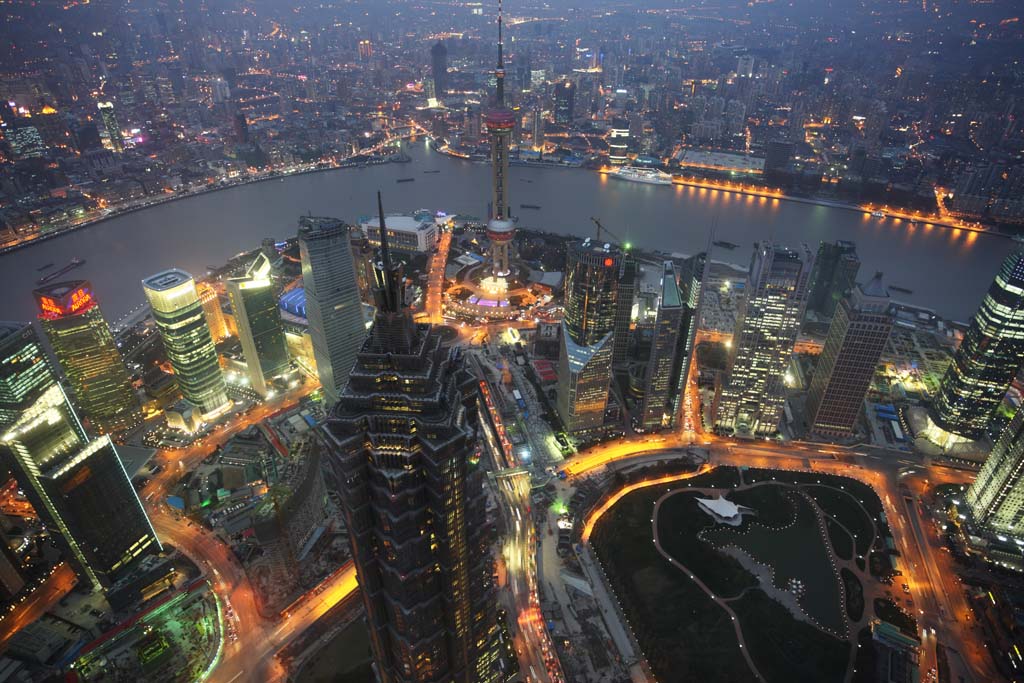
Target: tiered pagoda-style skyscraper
[(403, 447)]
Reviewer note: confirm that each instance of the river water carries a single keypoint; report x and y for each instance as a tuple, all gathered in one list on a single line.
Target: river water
[(947, 270)]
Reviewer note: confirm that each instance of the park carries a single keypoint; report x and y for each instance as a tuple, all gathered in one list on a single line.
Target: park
[(747, 574)]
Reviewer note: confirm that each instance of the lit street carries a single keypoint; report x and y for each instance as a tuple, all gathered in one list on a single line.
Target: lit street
[(251, 656)]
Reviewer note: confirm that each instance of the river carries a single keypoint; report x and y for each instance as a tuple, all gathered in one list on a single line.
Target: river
[(948, 270)]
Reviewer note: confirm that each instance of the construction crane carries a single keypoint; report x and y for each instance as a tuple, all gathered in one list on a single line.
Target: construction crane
[(601, 228)]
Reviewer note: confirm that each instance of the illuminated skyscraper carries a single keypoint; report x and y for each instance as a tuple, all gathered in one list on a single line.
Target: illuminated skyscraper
[(618, 142), (78, 486), (86, 351), (500, 123), (766, 329), (565, 103), (856, 338), (110, 123), (402, 441), (260, 329), (669, 362), (333, 306), (988, 358), (365, 50), (24, 370), (598, 290), (537, 129), (187, 339), (996, 498), (439, 68), (214, 314)]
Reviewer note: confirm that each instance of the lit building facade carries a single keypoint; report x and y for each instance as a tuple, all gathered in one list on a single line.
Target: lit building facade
[(402, 443), (856, 338), (996, 498), (86, 351), (409, 233), (767, 325), (260, 329), (669, 362), (599, 284), (106, 110), (565, 103), (363, 255), (215, 319), (187, 340), (988, 358), (333, 306), (24, 370), (79, 488), (618, 142), (584, 376)]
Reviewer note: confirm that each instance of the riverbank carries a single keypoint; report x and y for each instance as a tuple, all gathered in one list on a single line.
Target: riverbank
[(127, 247), (155, 201), (735, 189)]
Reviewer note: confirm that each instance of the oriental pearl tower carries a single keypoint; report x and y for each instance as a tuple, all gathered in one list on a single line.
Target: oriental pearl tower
[(500, 121)]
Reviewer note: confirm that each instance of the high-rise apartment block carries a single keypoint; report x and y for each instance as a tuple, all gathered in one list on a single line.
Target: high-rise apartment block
[(112, 126), (565, 103), (439, 68)]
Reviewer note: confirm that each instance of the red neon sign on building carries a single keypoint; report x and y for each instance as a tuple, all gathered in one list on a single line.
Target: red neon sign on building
[(56, 304)]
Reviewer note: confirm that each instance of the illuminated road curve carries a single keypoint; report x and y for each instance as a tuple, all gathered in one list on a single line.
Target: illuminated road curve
[(929, 585), (251, 656)]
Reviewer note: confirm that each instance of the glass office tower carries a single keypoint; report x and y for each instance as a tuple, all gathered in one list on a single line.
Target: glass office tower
[(186, 336), (333, 306), (260, 329), (988, 358), (752, 398), (85, 348), (78, 486)]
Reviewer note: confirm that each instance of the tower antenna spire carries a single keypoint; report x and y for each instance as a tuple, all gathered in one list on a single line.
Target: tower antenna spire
[(499, 74), (385, 254)]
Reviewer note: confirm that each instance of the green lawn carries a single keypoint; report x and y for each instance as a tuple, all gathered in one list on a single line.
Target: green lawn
[(795, 550), (842, 542), (683, 634), (854, 594), (680, 522), (786, 650), (845, 509)]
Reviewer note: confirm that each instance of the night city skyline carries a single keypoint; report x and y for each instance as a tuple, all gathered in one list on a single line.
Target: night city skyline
[(512, 341)]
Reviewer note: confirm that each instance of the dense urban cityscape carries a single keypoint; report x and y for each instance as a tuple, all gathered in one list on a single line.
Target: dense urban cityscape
[(478, 389)]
